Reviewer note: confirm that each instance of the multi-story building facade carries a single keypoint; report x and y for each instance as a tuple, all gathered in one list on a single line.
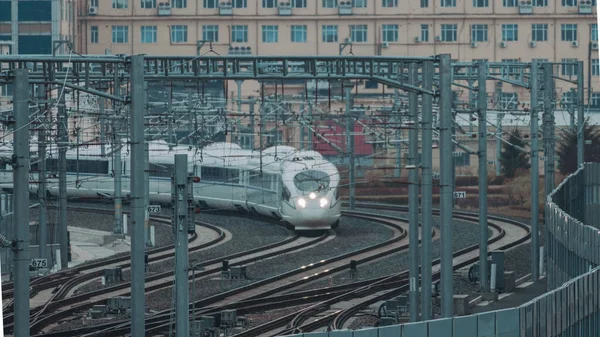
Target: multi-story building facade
[(33, 26), (493, 30)]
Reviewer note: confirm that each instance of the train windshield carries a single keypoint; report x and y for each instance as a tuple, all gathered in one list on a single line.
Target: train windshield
[(311, 180)]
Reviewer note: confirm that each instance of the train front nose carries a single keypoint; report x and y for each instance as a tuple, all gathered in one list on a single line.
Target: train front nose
[(314, 213)]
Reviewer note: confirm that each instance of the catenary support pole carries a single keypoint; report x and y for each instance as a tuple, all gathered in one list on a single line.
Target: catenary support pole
[(426, 190), (117, 169), (102, 127), (138, 300), (43, 211), (446, 196), (63, 139), (499, 116), (350, 143), (147, 194), (21, 202), (483, 184), (252, 127), (413, 197), (580, 115), (181, 256), (548, 123), (549, 144), (534, 171), (397, 122), (190, 113)]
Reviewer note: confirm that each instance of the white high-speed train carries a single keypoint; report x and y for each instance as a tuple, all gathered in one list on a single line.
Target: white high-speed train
[(298, 187)]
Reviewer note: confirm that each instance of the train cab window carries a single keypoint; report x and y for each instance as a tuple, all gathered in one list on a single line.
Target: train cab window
[(311, 180), (285, 194)]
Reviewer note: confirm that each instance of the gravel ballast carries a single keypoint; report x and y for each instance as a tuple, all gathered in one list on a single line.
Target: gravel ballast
[(351, 235)]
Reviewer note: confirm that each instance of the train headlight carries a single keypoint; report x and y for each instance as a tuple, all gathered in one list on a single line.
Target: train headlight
[(323, 202), (302, 203), (312, 195)]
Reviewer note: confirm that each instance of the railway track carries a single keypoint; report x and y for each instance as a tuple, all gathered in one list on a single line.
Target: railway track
[(63, 282), (263, 295), (379, 289), (277, 283)]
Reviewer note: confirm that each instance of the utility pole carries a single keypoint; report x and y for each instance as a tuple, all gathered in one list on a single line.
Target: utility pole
[(413, 196), (310, 134), (483, 184), (21, 199), (350, 142), (117, 169), (426, 189), (252, 116), (446, 195), (534, 171), (42, 216), (138, 299), (180, 212), (580, 115), (63, 141)]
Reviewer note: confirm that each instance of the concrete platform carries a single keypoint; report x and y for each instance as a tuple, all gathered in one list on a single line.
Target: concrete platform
[(89, 244), (524, 292)]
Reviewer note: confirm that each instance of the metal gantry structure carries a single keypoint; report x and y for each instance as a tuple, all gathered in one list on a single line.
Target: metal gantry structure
[(425, 79)]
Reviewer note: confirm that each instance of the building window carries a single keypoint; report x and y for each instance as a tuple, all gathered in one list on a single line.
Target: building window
[(509, 100), (448, 3), (595, 67), (479, 33), (179, 33), (269, 4), (510, 3), (594, 33), (210, 33), (299, 3), (424, 33), (120, 34), (93, 3), (358, 33), (540, 3), (148, 34), (389, 33), (568, 32), (569, 69), (330, 33), (510, 32), (179, 3), (119, 4), (270, 34), (298, 33), (508, 71), (481, 3), (449, 33), (148, 3), (211, 3), (595, 103), (239, 3), (360, 3), (329, 3), (390, 3), (539, 32), (569, 3), (239, 33), (94, 34), (424, 3)]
